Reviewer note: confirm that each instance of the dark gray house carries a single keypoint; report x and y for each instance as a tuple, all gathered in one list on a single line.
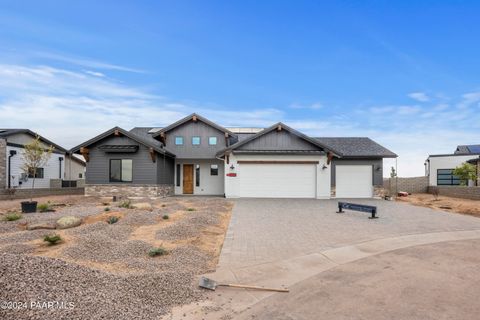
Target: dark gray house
[(199, 157)]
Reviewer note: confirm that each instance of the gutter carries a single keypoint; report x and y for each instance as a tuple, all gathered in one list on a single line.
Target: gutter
[(12, 153)]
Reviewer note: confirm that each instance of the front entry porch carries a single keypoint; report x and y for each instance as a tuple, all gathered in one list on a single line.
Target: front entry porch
[(199, 177)]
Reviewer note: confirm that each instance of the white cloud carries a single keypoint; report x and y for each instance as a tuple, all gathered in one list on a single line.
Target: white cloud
[(419, 96), (313, 106), (95, 73), (469, 99)]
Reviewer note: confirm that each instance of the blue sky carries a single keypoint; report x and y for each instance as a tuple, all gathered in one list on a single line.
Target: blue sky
[(401, 72)]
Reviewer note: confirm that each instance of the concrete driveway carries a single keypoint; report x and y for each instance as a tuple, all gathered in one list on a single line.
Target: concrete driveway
[(294, 243)]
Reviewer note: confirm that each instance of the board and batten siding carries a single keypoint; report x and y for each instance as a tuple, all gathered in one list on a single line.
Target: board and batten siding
[(375, 163), (278, 140), (195, 129), (145, 171), (165, 169)]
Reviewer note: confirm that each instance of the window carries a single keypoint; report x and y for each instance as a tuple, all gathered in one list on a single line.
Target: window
[(445, 177), (80, 176), (196, 141), (178, 175), (212, 141), (214, 170), (121, 170), (197, 175), (38, 174), (179, 141)]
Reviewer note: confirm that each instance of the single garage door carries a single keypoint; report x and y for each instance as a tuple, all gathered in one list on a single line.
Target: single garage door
[(353, 181), (277, 180)]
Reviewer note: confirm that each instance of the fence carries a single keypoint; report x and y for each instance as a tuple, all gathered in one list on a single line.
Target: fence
[(410, 185), (463, 192)]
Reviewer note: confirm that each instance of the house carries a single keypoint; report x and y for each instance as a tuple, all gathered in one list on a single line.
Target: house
[(195, 156), (439, 167), (59, 167)]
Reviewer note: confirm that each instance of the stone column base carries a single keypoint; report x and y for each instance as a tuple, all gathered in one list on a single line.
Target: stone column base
[(129, 190)]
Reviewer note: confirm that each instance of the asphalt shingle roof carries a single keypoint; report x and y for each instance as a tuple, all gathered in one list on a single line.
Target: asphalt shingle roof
[(356, 147)]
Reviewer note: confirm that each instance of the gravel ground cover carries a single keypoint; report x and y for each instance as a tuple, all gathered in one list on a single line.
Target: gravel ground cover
[(102, 268)]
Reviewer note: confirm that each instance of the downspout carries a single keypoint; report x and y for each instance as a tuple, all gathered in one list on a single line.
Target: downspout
[(60, 159), (12, 153)]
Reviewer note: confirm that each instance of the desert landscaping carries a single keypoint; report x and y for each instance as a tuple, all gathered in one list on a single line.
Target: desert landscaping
[(444, 203), (126, 259)]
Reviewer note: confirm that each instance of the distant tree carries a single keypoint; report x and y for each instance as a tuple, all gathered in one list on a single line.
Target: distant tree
[(465, 172), (35, 156), (393, 175)]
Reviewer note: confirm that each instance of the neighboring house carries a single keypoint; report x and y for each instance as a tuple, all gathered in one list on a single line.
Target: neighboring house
[(439, 167), (195, 156), (12, 143)]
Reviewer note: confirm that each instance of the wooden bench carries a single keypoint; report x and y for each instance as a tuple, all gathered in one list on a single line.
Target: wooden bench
[(358, 207)]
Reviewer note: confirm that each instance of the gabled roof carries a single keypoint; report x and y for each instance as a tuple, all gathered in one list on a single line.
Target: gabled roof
[(4, 133), (284, 127), (155, 145), (356, 147), (189, 118)]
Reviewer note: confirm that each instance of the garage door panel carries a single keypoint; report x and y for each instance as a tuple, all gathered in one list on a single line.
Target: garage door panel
[(277, 180), (354, 181)]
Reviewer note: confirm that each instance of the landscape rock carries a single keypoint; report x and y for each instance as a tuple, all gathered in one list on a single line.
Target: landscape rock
[(36, 226), (142, 206), (68, 222)]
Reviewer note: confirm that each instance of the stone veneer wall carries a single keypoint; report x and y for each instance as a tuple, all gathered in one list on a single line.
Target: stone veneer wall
[(129, 190), (3, 163), (463, 192)]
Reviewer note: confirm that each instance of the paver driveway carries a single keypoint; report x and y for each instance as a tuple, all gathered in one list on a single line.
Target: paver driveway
[(268, 230)]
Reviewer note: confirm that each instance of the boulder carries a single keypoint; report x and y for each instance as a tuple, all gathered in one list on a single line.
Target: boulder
[(68, 222), (142, 206), (41, 225)]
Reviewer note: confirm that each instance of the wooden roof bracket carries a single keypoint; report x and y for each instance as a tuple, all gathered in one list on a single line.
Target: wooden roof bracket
[(194, 118), (163, 138), (329, 157), (117, 133), (153, 155), (85, 153), (279, 127)]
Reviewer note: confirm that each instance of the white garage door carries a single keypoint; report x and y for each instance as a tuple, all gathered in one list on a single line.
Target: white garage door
[(277, 180), (353, 181)]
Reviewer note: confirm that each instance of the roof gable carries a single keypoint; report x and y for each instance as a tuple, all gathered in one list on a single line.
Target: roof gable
[(5, 133), (193, 117)]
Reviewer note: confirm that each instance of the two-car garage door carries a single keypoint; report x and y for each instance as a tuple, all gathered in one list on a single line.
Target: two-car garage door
[(353, 181), (278, 180)]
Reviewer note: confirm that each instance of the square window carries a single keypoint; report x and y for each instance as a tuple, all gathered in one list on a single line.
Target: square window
[(212, 141), (179, 141), (214, 170), (196, 141)]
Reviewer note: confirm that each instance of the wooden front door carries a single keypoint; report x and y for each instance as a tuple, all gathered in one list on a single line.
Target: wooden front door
[(188, 178)]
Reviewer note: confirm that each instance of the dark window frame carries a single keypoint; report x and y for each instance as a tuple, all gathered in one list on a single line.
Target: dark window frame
[(214, 171), (447, 179), (39, 174), (212, 144), (197, 175), (178, 176), (179, 144), (199, 140), (121, 178)]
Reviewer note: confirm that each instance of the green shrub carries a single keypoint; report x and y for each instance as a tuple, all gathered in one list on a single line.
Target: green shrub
[(106, 209), (112, 220), (190, 209), (165, 217), (52, 239), (157, 252), (45, 207), (125, 204), (12, 216)]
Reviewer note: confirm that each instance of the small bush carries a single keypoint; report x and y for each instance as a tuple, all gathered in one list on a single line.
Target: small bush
[(45, 207), (105, 203), (157, 252), (106, 209), (125, 204), (12, 216), (165, 217), (190, 209), (164, 205), (435, 192), (52, 239), (112, 220)]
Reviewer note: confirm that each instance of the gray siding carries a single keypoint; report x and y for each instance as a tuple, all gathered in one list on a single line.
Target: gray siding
[(278, 140), (98, 168), (189, 130), (377, 175), (165, 170)]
